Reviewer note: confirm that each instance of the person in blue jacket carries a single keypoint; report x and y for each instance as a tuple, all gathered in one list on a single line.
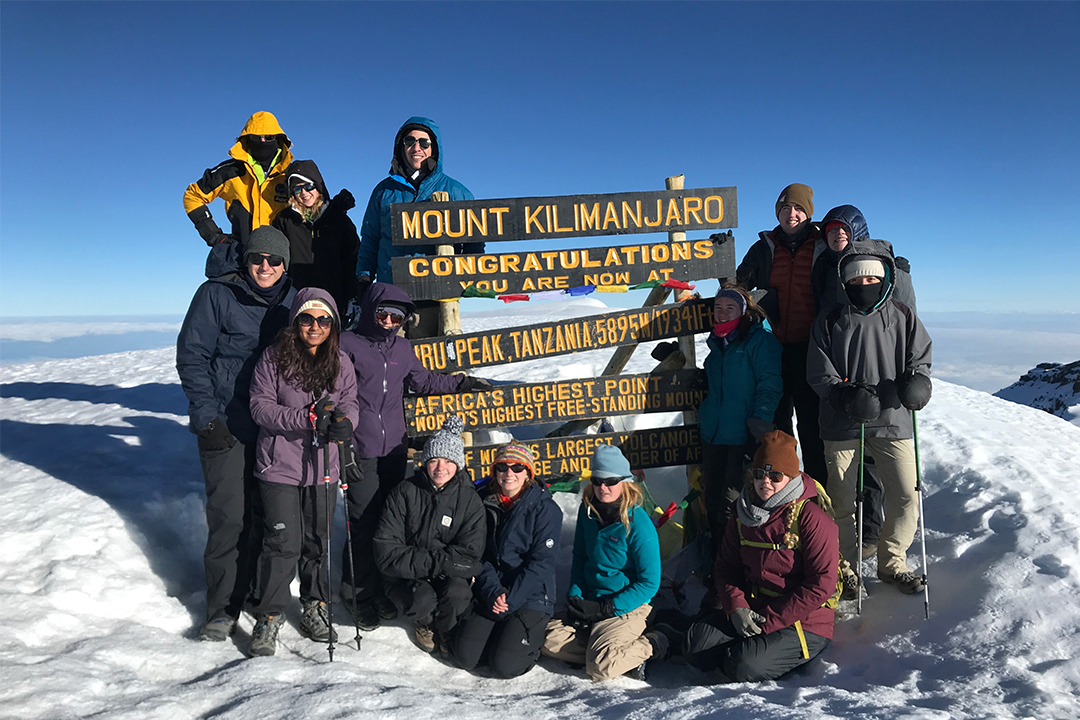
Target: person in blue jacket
[(745, 386), (614, 575), (416, 171), (514, 593)]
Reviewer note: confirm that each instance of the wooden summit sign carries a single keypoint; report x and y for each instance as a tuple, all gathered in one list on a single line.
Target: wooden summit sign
[(562, 337), (440, 277), (559, 401), (565, 216), (654, 447)]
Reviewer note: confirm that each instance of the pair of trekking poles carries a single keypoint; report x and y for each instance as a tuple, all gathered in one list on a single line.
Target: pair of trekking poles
[(922, 523)]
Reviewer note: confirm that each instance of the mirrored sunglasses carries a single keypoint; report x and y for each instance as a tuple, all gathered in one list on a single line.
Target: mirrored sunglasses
[(257, 259), (306, 320), (504, 467), (297, 189), (410, 141)]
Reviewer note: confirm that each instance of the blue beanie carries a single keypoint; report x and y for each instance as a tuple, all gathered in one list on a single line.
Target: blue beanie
[(609, 462)]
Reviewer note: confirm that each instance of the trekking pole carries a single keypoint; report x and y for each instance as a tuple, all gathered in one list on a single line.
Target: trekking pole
[(329, 599), (344, 484), (859, 516), (922, 523)]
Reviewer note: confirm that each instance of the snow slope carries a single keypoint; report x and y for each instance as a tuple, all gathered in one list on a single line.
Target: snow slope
[(101, 532), (1053, 387)]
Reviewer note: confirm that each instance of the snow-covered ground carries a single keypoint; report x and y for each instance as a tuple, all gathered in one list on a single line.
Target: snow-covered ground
[(101, 533)]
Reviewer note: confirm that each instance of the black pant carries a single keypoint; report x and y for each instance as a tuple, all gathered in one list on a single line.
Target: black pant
[(234, 528), (295, 537), (800, 397), (722, 479), (509, 644), (712, 644), (437, 601), (364, 503)]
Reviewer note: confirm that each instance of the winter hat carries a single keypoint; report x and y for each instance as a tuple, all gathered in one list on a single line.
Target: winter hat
[(317, 304), (394, 308), (865, 266), (298, 179), (733, 295), (777, 452), (446, 443), (608, 461), (515, 452), (268, 239), (797, 194)]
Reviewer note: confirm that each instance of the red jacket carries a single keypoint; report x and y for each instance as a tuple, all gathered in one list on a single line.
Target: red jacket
[(801, 579)]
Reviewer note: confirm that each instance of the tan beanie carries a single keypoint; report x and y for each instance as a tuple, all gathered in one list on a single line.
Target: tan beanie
[(797, 194), (777, 452)]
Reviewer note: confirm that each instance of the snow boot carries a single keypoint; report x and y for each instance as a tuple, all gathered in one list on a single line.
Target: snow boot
[(264, 634), (425, 637), (385, 608), (853, 586), (218, 629), (905, 582), (315, 621), (659, 642), (366, 616)]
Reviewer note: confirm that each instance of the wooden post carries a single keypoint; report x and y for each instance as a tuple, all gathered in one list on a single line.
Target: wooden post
[(686, 342), (449, 310)]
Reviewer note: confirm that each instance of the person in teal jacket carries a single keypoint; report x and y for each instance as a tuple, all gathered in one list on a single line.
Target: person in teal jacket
[(745, 386), (613, 578), (416, 171)]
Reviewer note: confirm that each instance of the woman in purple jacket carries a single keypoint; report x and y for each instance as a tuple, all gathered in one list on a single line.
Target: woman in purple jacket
[(385, 367), (303, 396)]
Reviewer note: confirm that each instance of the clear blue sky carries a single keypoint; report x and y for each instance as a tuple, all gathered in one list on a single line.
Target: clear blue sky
[(953, 126)]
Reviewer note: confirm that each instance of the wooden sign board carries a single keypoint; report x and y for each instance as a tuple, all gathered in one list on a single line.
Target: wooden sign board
[(565, 216), (651, 448), (435, 278), (545, 340), (559, 401)]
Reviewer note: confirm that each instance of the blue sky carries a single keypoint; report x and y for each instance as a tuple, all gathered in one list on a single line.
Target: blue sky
[(953, 126)]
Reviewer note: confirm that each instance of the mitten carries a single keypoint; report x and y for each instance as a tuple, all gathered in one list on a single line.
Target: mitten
[(914, 390)]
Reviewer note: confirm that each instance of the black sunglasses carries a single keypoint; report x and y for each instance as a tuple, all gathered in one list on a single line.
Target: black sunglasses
[(307, 320), (504, 467), (774, 475), (609, 481), (300, 188), (257, 259), (410, 141)]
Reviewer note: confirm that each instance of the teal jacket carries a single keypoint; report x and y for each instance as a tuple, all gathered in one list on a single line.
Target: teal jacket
[(376, 240), (609, 563), (744, 382)]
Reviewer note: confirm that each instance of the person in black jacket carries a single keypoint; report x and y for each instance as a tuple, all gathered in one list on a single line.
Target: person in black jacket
[(430, 538), (232, 319), (322, 239), (515, 589)]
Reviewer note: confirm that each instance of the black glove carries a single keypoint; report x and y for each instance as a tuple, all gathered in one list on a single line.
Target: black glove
[(324, 412), (348, 462), (902, 264), (914, 390), (210, 232), (721, 238), (474, 384), (858, 400), (590, 611), (758, 427), (344, 200), (340, 427), (662, 350), (215, 436), (747, 622)]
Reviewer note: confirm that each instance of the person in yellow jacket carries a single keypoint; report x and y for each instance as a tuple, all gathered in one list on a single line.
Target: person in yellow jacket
[(251, 182)]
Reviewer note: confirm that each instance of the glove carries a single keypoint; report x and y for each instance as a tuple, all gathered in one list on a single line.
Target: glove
[(662, 350), (340, 427), (323, 412), (721, 238), (914, 390), (210, 232), (474, 384), (759, 427), (747, 622), (348, 462), (858, 400), (902, 264), (590, 611), (345, 200), (215, 436)]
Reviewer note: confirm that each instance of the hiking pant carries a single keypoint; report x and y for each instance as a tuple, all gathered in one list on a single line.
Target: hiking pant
[(234, 528), (364, 503), (895, 461), (800, 397), (509, 644), (608, 649), (438, 602), (722, 478), (294, 538), (712, 644)]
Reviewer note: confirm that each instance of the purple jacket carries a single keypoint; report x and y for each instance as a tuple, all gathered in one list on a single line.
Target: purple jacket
[(283, 451), (385, 367)]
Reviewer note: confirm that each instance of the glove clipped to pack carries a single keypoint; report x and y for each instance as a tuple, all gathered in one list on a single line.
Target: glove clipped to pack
[(914, 390), (474, 384), (858, 400), (747, 622)]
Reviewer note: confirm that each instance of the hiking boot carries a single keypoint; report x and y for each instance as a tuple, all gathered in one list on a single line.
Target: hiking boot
[(315, 621), (659, 642), (641, 672), (853, 586), (425, 637), (673, 636), (218, 629), (905, 582), (384, 607), (365, 616), (264, 634), (869, 550)]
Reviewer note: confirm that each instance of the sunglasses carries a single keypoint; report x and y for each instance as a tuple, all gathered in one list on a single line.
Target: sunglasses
[(504, 467), (609, 481), (775, 476), (410, 141), (307, 320), (306, 187), (257, 259), (395, 318)]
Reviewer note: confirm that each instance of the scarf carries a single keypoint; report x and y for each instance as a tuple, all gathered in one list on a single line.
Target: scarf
[(753, 511), (607, 513)]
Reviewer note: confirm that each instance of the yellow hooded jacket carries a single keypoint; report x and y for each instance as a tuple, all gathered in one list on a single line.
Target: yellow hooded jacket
[(251, 200)]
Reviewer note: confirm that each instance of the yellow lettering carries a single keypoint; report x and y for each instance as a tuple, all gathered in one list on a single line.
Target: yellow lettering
[(610, 216), (719, 209), (410, 223), (530, 219), (438, 231), (673, 212)]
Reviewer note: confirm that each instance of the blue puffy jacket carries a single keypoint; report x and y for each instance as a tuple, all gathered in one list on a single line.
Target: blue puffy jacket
[(519, 557), (609, 563), (225, 331), (376, 244), (744, 382)]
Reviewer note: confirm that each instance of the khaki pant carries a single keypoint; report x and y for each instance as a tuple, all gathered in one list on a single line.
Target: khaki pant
[(895, 460), (611, 648)]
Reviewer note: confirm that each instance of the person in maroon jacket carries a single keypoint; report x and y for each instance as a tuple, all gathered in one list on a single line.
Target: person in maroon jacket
[(385, 366), (775, 574)]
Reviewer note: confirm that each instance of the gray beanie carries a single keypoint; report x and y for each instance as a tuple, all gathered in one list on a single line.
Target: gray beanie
[(446, 443), (268, 239), (608, 461), (864, 266)]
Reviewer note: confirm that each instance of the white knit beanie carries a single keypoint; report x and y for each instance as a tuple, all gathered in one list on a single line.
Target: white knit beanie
[(446, 443)]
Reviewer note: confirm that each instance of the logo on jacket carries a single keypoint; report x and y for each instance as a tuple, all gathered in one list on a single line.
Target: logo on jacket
[(549, 543), (280, 193), (446, 520)]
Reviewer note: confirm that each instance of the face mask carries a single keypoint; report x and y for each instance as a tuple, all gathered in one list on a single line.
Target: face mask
[(865, 297), (261, 151), (724, 328)]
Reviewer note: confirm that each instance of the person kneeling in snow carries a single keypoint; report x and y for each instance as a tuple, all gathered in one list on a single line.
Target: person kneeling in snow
[(775, 573)]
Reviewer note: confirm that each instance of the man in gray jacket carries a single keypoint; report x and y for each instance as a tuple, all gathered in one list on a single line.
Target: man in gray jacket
[(869, 361)]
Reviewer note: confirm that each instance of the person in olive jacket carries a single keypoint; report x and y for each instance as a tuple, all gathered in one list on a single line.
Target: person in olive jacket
[(430, 538)]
